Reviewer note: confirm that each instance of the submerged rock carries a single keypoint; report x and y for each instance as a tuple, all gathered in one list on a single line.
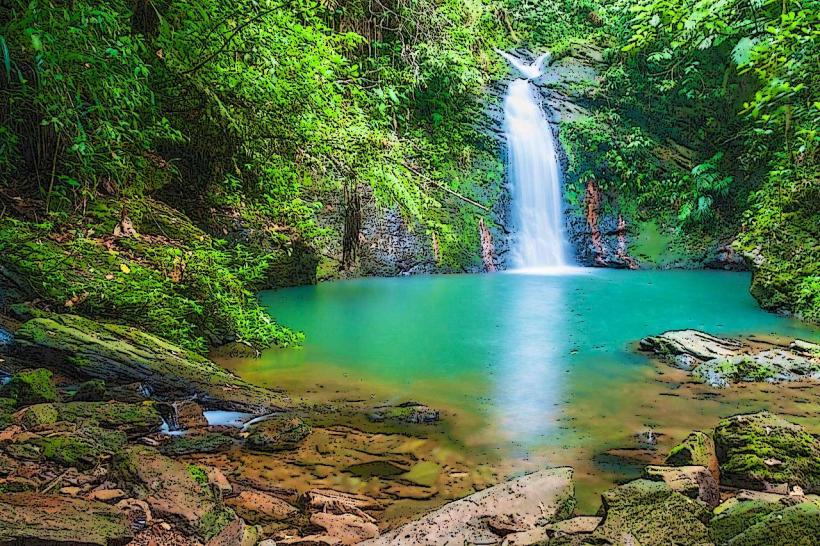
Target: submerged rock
[(761, 450), (345, 529), (650, 513), (122, 354), (409, 412), (531, 500), (174, 491), (697, 449), (277, 433), (258, 507), (34, 518)]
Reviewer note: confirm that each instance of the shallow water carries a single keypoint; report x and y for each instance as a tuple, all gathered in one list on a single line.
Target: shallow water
[(531, 370)]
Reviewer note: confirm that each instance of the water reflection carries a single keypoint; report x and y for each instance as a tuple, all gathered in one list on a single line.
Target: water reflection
[(530, 376)]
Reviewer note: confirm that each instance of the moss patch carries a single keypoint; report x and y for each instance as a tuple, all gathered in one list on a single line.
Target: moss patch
[(762, 448), (30, 387)]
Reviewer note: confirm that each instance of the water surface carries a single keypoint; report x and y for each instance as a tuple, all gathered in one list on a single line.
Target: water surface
[(530, 369)]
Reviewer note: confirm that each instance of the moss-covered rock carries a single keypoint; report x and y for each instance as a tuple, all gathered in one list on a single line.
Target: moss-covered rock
[(797, 525), (277, 433), (761, 449), (649, 513), (91, 391), (37, 415), (172, 491), (30, 387), (735, 516), (34, 518), (121, 354), (132, 419), (697, 449), (82, 449), (205, 442), (770, 366), (7, 406)]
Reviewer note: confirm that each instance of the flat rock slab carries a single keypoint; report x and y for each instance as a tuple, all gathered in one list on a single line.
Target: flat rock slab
[(694, 343), (37, 519), (531, 500)]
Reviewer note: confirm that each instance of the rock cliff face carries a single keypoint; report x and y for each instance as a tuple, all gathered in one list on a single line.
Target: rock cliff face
[(391, 244)]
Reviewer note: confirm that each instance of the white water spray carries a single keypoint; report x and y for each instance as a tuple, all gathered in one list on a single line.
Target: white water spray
[(535, 175)]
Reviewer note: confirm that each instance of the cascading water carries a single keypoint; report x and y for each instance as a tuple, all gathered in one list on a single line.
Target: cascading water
[(535, 175)]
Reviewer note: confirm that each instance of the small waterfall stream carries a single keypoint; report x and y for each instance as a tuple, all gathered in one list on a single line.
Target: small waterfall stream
[(540, 241)]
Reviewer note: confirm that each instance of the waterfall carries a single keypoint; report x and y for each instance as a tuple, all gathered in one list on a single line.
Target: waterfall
[(534, 173)]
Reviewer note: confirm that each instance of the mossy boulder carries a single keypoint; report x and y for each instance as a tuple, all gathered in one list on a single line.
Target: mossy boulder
[(797, 525), (736, 515), (761, 449), (121, 354), (91, 391), (30, 387), (277, 433), (649, 513), (698, 449), (172, 491), (81, 449), (35, 518), (132, 419), (7, 406), (204, 442)]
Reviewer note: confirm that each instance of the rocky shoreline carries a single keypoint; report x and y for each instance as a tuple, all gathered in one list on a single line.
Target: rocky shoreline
[(110, 436)]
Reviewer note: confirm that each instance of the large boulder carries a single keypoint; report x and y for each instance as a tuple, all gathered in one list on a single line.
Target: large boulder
[(526, 502), (697, 449), (30, 387), (650, 513), (797, 525), (761, 450), (277, 433), (122, 354), (695, 482), (132, 419), (34, 518), (174, 491)]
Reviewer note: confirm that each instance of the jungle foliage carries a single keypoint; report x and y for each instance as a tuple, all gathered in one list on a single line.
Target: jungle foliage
[(245, 116), (707, 115)]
